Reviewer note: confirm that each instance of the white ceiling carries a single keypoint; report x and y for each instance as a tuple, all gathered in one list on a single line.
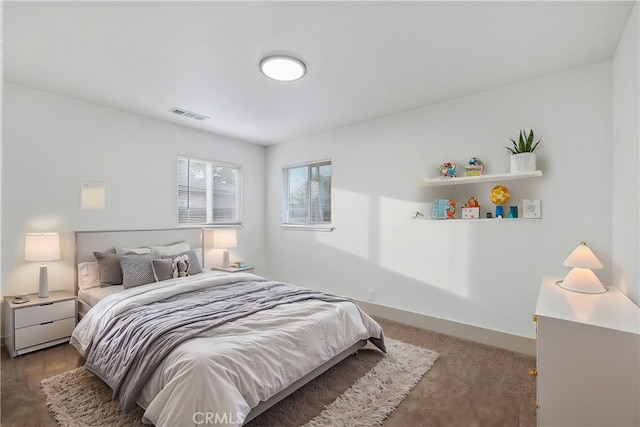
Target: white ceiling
[(364, 59)]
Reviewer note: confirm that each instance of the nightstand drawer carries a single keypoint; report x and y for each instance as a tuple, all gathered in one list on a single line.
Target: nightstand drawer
[(37, 314), (38, 334)]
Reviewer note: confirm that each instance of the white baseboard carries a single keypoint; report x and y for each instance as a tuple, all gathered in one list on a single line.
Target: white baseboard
[(460, 330)]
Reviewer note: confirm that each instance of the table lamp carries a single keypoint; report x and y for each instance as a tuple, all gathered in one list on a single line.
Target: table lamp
[(224, 239), (581, 279), (42, 247)]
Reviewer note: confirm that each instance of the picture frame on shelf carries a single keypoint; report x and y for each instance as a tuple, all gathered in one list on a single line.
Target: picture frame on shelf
[(531, 209)]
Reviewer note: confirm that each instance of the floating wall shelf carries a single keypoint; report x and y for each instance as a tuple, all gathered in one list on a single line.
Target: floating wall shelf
[(479, 220), (481, 178)]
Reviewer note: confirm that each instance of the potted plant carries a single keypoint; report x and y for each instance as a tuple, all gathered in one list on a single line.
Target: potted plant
[(523, 158)]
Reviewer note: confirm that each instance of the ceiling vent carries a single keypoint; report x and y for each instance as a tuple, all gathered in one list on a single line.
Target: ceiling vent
[(189, 114)]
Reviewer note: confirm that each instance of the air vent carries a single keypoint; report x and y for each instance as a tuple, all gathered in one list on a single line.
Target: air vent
[(189, 114)]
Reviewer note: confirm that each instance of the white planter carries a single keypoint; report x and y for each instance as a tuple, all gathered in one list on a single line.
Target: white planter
[(523, 162)]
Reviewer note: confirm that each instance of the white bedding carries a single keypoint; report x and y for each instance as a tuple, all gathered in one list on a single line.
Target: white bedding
[(94, 295), (224, 373)]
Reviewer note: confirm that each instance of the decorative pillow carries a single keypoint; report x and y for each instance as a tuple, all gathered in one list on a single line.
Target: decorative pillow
[(194, 264), (136, 270), (162, 269), (109, 270), (198, 252), (122, 251), (171, 249), (88, 276)]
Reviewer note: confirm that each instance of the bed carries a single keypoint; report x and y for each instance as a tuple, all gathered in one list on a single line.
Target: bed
[(248, 341)]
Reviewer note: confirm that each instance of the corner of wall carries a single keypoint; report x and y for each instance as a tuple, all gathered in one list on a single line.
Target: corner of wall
[(626, 157)]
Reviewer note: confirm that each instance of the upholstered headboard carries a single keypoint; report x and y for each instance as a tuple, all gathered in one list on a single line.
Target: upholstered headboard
[(87, 242)]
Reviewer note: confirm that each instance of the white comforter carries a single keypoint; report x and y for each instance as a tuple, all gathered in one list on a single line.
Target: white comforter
[(217, 378)]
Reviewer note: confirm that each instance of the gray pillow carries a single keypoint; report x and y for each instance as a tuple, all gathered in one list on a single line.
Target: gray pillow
[(109, 270), (194, 264), (162, 269), (136, 270)]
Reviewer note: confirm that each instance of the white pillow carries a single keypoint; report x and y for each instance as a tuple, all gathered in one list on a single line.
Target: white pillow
[(176, 248), (88, 275), (139, 251)]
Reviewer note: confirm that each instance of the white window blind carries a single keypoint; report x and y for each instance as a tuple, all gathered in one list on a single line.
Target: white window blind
[(209, 192), (307, 194)]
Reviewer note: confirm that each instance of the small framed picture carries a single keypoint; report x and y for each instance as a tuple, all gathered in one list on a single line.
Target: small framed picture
[(531, 208), (94, 196)]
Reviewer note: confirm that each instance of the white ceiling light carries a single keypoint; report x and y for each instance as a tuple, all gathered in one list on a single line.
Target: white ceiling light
[(282, 68)]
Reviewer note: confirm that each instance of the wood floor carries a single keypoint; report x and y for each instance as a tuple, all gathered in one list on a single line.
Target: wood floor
[(470, 385)]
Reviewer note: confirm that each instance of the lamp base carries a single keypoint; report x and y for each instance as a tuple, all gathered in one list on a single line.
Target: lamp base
[(43, 291), (596, 292), (225, 258)]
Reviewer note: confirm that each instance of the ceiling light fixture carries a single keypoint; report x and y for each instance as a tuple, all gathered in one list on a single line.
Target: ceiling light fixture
[(283, 68)]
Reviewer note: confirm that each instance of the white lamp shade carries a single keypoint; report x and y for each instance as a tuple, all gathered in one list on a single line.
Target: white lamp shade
[(582, 257), (224, 239), (582, 280), (41, 247)]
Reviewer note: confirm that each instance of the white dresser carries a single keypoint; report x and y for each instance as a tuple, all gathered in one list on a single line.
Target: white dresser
[(588, 358), (39, 323)]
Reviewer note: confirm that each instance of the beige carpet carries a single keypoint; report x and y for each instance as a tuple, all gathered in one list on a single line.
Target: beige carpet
[(77, 398)]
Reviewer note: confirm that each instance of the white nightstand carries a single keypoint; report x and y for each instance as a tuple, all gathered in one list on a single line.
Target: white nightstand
[(39, 323), (234, 269)]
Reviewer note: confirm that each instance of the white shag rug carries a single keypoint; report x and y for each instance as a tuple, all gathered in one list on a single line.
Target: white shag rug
[(379, 392), (78, 398)]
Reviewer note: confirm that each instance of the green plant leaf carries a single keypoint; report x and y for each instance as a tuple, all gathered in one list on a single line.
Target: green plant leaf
[(525, 143), (530, 138), (536, 144)]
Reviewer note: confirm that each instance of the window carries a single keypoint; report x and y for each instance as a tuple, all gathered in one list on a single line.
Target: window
[(209, 192), (307, 194)]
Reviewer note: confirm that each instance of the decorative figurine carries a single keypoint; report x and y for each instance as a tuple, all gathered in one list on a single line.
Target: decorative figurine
[(472, 203), (472, 209), (447, 170), (450, 208), (474, 167)]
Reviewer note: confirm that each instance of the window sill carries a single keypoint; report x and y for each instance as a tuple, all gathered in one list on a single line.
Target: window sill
[(308, 227), (235, 226)]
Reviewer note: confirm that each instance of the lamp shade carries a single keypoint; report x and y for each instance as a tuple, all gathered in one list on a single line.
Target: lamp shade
[(224, 239), (582, 280), (41, 247), (582, 257)]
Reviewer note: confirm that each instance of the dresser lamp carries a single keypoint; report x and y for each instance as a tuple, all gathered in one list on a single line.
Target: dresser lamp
[(581, 279), (224, 239), (42, 247)]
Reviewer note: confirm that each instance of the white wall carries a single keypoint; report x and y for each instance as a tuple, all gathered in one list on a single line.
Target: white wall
[(481, 273), (626, 158), (51, 144)]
